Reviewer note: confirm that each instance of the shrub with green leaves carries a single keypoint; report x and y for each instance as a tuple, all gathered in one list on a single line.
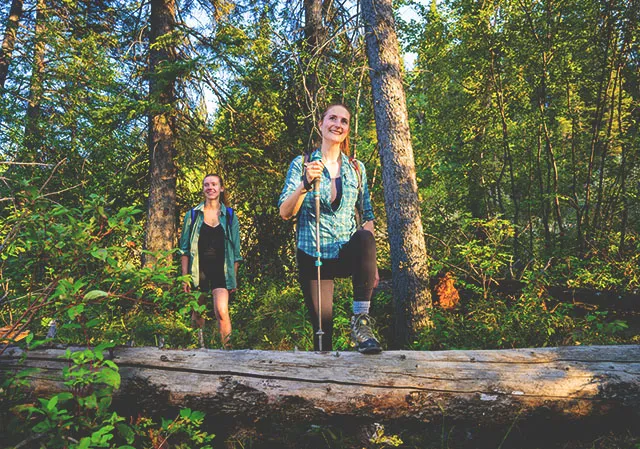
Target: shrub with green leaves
[(80, 268), (81, 417)]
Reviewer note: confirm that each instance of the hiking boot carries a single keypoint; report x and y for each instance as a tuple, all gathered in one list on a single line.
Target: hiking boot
[(362, 335)]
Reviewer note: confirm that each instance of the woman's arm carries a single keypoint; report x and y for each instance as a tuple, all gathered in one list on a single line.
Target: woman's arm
[(183, 246), (184, 261), (235, 238), (291, 205), (295, 190)]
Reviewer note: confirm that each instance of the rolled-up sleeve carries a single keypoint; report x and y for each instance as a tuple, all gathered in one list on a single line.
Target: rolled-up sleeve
[(367, 208), (235, 235), (183, 243), (294, 175)]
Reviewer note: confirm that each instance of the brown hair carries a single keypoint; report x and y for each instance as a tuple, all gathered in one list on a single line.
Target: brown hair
[(223, 195), (345, 145)]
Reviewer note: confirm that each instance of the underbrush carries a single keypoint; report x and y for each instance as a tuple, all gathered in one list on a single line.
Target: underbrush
[(72, 276), (82, 417), (77, 271)]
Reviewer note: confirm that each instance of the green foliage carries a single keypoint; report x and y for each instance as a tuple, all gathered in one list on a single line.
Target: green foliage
[(81, 415), (270, 316), (507, 120), (82, 418), (183, 432), (605, 267), (498, 324), (487, 256), (598, 329), (79, 267), (380, 440), (532, 319)]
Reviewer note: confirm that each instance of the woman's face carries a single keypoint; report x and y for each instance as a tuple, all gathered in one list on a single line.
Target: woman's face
[(334, 127), (211, 188)]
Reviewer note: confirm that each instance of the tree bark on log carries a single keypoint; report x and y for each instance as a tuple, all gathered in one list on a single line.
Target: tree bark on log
[(488, 387)]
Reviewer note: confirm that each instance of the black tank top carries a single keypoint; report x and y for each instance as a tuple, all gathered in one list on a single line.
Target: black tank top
[(335, 204), (211, 242)]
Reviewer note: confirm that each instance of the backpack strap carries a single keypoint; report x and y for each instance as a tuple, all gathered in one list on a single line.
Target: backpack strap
[(229, 217), (194, 212), (193, 219), (356, 167)]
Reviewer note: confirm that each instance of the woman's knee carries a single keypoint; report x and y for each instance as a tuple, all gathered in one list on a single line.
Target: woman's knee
[(365, 242), (221, 303)]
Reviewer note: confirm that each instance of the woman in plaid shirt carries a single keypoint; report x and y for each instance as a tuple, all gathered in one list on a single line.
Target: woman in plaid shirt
[(210, 253), (346, 249)]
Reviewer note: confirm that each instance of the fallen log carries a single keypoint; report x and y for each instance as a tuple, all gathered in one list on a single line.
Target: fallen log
[(491, 386)]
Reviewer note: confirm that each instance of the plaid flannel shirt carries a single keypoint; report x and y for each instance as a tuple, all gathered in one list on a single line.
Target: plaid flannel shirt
[(336, 227), (188, 244)]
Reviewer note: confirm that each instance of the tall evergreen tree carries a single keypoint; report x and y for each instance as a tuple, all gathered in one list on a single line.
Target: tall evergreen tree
[(33, 136), (315, 39), (410, 274), (9, 40), (161, 222)]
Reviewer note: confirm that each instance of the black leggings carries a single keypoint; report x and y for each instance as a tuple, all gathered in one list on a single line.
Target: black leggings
[(356, 259)]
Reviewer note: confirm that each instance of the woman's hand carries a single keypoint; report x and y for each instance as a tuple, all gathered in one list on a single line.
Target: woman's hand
[(186, 287), (291, 205), (313, 170)]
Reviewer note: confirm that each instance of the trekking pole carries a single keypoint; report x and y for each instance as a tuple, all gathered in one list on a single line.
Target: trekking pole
[(316, 195)]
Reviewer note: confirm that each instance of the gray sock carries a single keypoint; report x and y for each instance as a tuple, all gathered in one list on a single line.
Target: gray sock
[(361, 307)]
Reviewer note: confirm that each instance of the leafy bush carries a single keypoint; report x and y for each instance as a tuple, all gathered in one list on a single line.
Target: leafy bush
[(524, 321), (81, 417), (486, 255), (79, 267)]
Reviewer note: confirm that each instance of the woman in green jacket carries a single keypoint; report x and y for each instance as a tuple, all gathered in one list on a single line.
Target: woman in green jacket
[(210, 250)]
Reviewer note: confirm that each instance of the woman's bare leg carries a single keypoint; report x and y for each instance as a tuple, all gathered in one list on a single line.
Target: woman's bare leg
[(197, 321), (221, 308)]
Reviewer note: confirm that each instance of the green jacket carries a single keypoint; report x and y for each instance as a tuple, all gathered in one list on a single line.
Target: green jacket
[(188, 244)]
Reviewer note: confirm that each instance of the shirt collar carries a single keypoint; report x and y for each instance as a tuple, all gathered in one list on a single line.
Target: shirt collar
[(223, 208)]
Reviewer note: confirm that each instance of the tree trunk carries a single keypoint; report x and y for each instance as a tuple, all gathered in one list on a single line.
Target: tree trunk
[(9, 40), (477, 202), (598, 117), (33, 128), (479, 387), (161, 221), (408, 252), (315, 38)]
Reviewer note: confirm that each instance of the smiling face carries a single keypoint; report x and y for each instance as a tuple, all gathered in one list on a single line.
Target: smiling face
[(212, 187), (334, 125)]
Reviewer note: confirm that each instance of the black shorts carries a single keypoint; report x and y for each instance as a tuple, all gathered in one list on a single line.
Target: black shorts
[(212, 277)]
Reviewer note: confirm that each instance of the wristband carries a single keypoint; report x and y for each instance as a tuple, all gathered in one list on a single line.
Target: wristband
[(306, 185)]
